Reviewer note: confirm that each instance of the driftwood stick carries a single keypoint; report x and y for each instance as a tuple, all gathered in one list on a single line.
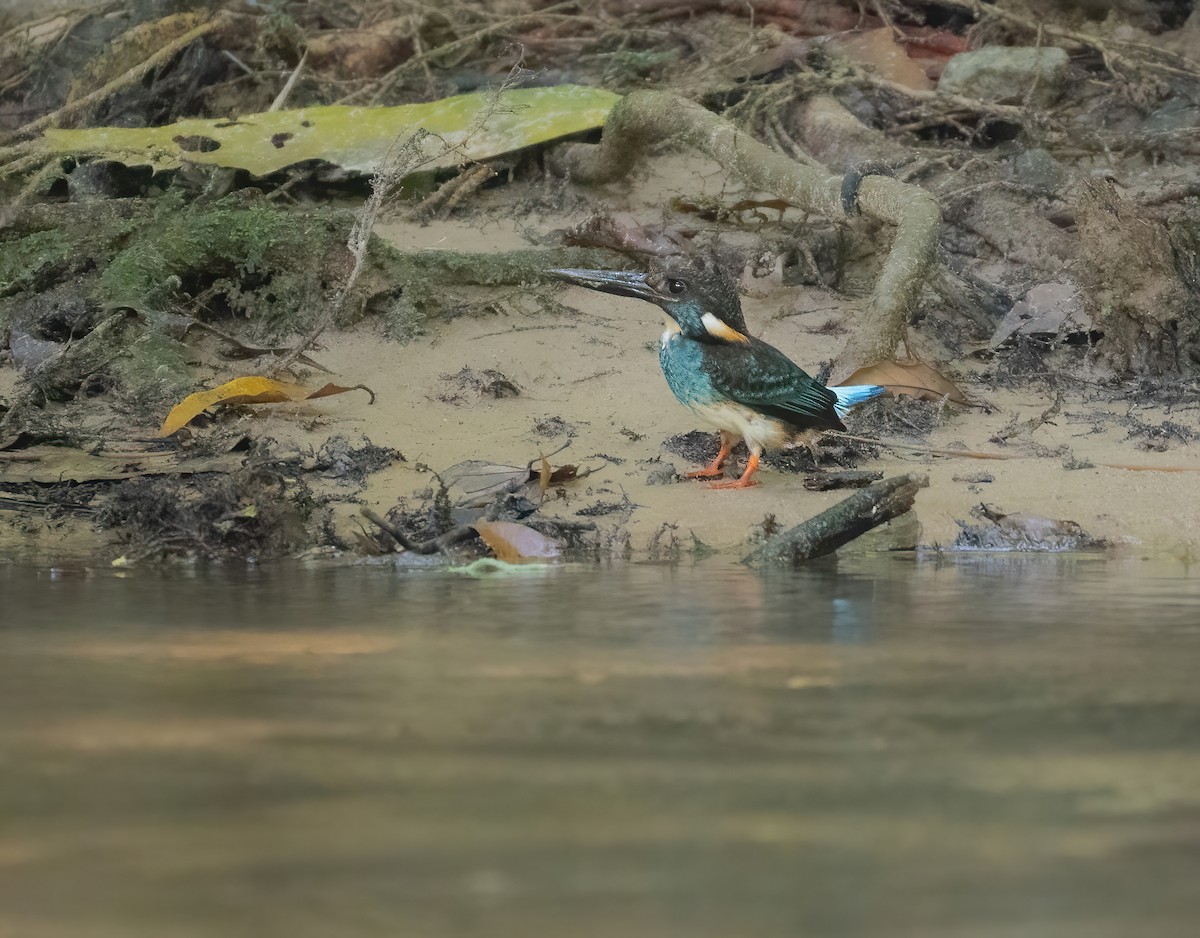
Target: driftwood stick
[(645, 119), (434, 545), (843, 479), (840, 524)]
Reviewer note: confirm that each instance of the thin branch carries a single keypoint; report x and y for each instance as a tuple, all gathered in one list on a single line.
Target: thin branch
[(286, 91), (435, 545)]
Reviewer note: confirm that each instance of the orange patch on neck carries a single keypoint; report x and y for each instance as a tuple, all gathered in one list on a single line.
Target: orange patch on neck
[(719, 329)]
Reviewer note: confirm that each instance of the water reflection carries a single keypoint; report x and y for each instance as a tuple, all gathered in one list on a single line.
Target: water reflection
[(991, 746)]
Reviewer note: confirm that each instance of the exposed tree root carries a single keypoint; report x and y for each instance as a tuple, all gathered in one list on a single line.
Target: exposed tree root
[(646, 118)]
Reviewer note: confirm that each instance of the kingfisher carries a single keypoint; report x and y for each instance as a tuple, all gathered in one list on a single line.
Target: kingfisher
[(746, 388)]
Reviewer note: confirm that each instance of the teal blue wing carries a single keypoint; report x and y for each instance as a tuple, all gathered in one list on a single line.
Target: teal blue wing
[(761, 377)]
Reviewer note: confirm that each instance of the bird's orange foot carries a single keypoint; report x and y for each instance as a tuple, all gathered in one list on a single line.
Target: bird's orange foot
[(745, 481), (742, 483), (708, 472), (713, 469)]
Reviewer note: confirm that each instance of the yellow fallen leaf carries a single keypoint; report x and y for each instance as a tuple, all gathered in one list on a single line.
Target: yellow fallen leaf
[(254, 389), (913, 378), (516, 543)]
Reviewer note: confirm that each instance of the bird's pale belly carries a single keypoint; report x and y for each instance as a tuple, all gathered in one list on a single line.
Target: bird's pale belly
[(755, 428), (681, 365)]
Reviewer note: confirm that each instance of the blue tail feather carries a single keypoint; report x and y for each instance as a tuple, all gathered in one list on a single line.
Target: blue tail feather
[(851, 395)]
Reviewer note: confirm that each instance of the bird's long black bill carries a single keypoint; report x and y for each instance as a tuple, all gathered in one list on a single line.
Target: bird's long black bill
[(618, 282)]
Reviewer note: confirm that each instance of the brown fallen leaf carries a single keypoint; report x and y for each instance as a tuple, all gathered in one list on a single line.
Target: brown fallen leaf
[(254, 389), (878, 49), (350, 54), (912, 378), (568, 473), (516, 543)]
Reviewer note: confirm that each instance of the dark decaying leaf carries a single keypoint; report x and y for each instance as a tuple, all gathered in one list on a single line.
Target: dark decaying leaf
[(566, 474), (1048, 309), (475, 482), (1022, 532)]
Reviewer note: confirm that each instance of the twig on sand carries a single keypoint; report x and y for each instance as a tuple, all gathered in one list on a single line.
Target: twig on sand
[(836, 526), (396, 165), (644, 119)]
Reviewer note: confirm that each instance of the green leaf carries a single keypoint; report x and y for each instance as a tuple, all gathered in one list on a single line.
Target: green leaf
[(475, 126)]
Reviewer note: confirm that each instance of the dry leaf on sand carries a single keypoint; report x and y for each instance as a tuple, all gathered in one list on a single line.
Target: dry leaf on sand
[(251, 390), (516, 543), (913, 378)]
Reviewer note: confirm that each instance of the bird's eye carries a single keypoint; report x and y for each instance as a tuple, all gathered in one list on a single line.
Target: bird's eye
[(676, 286)]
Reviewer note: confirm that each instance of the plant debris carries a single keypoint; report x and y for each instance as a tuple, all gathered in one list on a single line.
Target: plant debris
[(1022, 532), (253, 513), (486, 383)]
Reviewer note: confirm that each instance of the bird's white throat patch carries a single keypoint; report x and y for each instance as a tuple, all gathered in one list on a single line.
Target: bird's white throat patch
[(670, 332)]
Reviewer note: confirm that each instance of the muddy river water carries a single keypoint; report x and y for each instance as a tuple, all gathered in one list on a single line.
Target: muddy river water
[(980, 746)]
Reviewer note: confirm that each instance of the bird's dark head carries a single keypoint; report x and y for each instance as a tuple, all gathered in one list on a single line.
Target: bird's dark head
[(697, 294)]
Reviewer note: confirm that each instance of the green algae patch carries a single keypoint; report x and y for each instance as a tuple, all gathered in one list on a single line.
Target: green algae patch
[(232, 249), (26, 260), (153, 367), (358, 139)]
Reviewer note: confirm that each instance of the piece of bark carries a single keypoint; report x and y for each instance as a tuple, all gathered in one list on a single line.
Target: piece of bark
[(1138, 270), (845, 479), (836, 526)]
